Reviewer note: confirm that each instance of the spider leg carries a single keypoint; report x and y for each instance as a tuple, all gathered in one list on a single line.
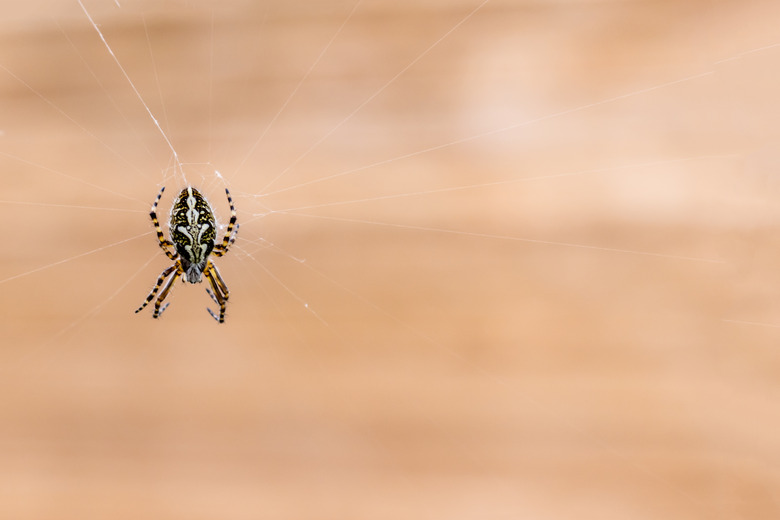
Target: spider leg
[(230, 232), (162, 309), (164, 293), (219, 250), (210, 293), (220, 282), (157, 286), (218, 292), (164, 242)]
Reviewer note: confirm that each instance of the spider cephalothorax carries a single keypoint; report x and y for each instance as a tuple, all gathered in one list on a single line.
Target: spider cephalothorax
[(193, 234)]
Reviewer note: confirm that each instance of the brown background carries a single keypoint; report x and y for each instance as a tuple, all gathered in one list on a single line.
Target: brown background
[(526, 266)]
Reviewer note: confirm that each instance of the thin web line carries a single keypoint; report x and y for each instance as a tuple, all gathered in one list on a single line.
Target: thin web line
[(292, 293), (508, 237), (68, 176), (294, 92), (756, 323), (69, 118), (92, 312), (211, 86), (69, 206), (138, 94), (71, 258), (377, 93), (512, 181), (488, 133), (106, 91), (156, 75)]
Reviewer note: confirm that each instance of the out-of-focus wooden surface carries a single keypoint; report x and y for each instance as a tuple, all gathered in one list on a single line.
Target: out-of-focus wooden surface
[(515, 264)]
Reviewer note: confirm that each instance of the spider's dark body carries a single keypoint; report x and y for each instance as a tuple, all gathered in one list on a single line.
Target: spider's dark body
[(193, 230)]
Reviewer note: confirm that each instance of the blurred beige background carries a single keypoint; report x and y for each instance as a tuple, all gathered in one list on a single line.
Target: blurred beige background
[(508, 261)]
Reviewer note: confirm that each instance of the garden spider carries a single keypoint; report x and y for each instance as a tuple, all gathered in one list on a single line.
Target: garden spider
[(193, 233)]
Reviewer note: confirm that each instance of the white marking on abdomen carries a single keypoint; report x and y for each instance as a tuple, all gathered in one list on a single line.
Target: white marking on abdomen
[(192, 213)]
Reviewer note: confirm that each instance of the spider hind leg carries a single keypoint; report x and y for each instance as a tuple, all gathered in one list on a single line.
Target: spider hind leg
[(218, 292)]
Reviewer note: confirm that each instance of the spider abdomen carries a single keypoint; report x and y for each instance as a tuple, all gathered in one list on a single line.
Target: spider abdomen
[(193, 232)]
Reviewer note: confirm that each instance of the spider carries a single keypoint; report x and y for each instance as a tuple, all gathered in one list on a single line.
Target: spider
[(193, 233)]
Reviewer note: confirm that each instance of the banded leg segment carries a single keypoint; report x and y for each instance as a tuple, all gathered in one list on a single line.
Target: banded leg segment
[(157, 286), (219, 291), (164, 242), (164, 293), (231, 232)]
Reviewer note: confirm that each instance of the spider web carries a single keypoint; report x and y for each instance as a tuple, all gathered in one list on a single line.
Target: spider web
[(484, 247)]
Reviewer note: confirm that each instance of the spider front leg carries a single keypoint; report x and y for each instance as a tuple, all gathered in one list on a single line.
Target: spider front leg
[(231, 232), (164, 242)]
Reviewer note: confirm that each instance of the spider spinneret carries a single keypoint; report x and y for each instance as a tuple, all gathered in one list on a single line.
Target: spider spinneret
[(193, 233)]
